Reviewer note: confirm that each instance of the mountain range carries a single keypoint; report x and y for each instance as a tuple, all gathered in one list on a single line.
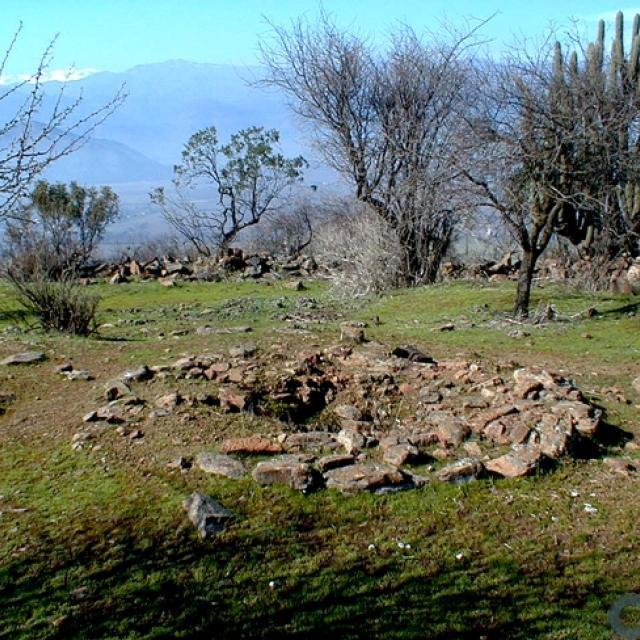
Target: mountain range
[(135, 148)]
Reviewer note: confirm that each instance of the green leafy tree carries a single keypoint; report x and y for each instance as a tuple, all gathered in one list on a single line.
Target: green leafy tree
[(59, 228), (250, 179)]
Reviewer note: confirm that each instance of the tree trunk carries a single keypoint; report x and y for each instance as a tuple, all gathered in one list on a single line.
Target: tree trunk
[(525, 278), (423, 256)]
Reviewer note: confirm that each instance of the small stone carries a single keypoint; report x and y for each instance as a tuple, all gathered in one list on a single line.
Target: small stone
[(449, 326), (221, 465), (409, 352), (116, 389), (623, 467), (351, 440), (27, 357), (138, 374), (243, 350), (65, 367), (231, 400), (136, 434), (207, 515), (461, 471), (169, 401), (351, 334), (348, 412), (636, 384)]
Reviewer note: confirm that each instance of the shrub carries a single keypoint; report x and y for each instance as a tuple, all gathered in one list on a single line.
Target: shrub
[(361, 251), (58, 305)]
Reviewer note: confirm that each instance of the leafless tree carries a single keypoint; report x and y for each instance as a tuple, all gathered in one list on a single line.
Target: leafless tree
[(557, 147), (34, 136), (389, 122)]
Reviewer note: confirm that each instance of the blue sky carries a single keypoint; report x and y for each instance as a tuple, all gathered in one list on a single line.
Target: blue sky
[(113, 35)]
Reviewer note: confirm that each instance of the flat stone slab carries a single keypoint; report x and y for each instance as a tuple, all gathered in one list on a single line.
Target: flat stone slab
[(250, 445), (326, 463), (220, 465), (310, 441), (27, 357), (206, 514), (515, 464), (287, 470), (358, 478)]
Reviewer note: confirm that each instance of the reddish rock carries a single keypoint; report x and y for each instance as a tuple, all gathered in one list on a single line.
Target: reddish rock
[(169, 401), (231, 400), (452, 432), (520, 462), (250, 445), (400, 454)]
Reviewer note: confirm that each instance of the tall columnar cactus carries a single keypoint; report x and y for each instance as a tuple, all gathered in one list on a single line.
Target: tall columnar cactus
[(597, 166)]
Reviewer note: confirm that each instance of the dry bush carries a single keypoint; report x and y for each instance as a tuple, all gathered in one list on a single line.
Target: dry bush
[(361, 251), (59, 305)]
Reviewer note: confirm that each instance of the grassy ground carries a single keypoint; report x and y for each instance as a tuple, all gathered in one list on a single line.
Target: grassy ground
[(93, 544)]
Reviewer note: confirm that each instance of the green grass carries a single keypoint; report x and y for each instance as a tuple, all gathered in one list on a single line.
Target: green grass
[(93, 544)]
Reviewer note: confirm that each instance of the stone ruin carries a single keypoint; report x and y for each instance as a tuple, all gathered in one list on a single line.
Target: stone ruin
[(169, 270), (360, 417)]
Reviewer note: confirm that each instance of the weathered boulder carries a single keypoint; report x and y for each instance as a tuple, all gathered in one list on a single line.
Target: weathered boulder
[(220, 465), (451, 432), (27, 357), (310, 441), (288, 470), (351, 440), (206, 514), (364, 477), (520, 462), (326, 463), (400, 454), (461, 471)]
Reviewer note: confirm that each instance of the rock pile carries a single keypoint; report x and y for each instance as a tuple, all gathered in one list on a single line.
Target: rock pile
[(361, 417), (234, 262), (621, 275)]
